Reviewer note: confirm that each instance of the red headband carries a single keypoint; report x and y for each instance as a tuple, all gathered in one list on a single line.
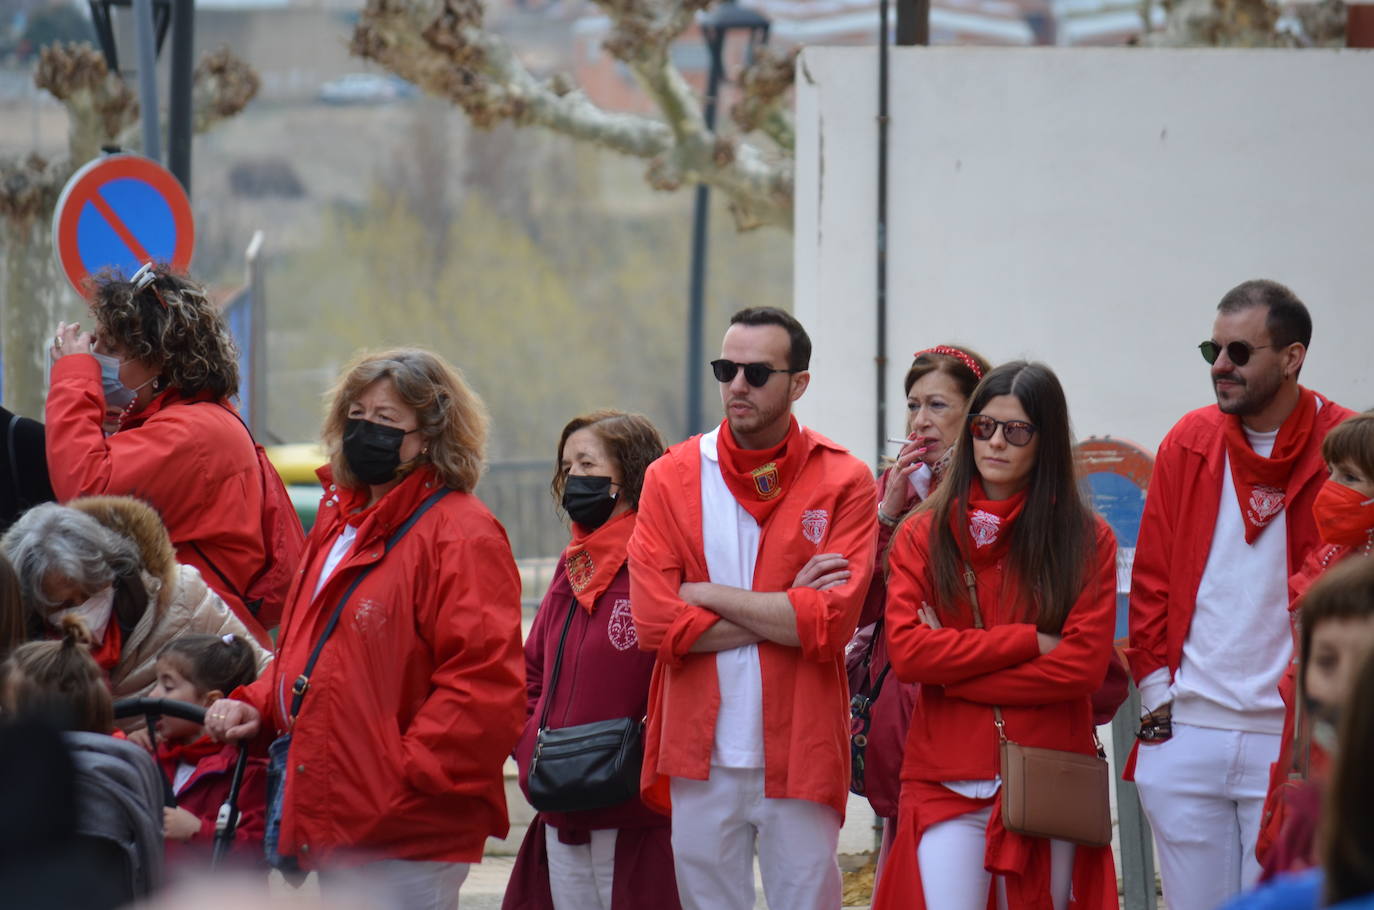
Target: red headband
[(961, 356)]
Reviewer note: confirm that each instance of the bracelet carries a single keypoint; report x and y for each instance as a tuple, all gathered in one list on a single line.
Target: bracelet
[(886, 519)]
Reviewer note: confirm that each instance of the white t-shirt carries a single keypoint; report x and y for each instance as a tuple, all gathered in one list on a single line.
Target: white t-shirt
[(1239, 642), (730, 536), (342, 544)]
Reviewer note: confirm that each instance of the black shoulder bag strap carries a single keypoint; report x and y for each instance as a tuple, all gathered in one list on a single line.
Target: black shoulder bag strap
[(557, 666), (14, 460), (302, 684)]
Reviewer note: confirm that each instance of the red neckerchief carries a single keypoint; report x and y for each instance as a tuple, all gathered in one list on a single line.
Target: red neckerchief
[(594, 557), (986, 533), (1262, 483), (108, 652), (758, 478), (169, 755)]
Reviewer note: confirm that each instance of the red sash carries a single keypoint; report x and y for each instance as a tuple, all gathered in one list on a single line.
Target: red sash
[(594, 557), (1262, 483), (758, 478)]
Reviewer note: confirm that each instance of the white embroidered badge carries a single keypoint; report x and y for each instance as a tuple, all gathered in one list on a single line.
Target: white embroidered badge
[(814, 524), (621, 627), (983, 528)]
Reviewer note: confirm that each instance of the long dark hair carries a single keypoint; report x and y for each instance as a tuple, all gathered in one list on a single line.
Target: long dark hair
[(1347, 828), (1052, 541)]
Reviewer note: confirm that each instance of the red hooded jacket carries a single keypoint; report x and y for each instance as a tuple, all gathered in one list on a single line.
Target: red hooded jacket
[(828, 508), (202, 796), (190, 459), (419, 694)]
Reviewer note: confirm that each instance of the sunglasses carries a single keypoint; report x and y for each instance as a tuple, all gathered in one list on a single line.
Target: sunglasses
[(1237, 351), (756, 374), (1015, 432)]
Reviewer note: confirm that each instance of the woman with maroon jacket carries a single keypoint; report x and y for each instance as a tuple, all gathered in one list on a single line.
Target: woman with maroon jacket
[(938, 387), (1009, 522), (621, 857)]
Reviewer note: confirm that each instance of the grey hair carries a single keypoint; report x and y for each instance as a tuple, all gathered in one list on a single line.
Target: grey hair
[(50, 539)]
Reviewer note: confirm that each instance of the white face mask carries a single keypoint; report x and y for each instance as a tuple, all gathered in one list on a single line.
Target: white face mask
[(94, 614)]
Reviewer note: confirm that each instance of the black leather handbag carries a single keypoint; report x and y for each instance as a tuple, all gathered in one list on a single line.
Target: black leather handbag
[(586, 766)]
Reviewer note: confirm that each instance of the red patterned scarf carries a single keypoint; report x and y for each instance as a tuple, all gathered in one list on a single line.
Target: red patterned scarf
[(758, 478), (986, 533), (1262, 483), (594, 557)]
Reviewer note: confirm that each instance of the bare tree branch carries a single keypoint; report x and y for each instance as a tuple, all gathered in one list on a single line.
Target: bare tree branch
[(442, 46), (766, 84)]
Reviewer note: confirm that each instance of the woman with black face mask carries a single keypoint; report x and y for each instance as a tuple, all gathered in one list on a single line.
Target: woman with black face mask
[(397, 691), (583, 665)]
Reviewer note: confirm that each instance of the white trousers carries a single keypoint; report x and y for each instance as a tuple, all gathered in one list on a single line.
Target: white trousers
[(952, 873), (399, 883), (580, 875), (717, 824), (1203, 792)]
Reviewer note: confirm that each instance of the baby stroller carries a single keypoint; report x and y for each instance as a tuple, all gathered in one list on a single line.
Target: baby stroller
[(227, 821), (118, 795)]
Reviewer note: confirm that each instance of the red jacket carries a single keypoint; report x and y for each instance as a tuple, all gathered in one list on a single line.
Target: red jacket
[(204, 793), (417, 697), (191, 459), (1180, 517), (805, 692), (965, 671)]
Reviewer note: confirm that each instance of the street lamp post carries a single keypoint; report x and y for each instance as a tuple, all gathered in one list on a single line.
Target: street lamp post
[(715, 26)]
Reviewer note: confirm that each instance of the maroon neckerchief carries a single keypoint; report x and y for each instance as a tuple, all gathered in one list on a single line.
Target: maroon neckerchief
[(758, 478), (1262, 483)]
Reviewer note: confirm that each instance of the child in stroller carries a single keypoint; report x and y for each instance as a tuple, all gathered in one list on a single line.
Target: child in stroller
[(201, 669)]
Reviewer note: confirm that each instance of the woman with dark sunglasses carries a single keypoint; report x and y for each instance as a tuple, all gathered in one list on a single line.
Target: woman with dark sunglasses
[(1009, 526), (938, 386)]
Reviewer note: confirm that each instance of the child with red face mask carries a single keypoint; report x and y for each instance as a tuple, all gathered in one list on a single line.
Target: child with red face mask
[(1344, 513), (201, 669)]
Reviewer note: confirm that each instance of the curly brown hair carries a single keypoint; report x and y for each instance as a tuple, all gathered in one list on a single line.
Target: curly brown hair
[(171, 325), (452, 417), (631, 439)]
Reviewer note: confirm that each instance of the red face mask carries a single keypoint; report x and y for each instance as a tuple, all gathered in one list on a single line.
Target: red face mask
[(1344, 516)]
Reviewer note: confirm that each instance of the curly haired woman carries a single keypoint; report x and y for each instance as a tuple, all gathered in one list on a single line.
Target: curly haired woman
[(140, 407)]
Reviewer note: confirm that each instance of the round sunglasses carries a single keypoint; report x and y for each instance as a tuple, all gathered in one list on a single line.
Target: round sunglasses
[(756, 374), (1015, 432), (1238, 352)]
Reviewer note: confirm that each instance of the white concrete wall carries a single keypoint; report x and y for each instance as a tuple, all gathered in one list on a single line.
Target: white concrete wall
[(1083, 207)]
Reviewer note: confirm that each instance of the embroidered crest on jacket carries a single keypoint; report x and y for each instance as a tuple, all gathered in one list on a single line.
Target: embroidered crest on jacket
[(814, 524), (621, 628)]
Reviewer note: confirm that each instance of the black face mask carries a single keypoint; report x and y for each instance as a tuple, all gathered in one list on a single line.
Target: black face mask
[(373, 451), (588, 500)]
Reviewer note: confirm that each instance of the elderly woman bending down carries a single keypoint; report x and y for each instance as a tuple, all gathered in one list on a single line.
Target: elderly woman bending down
[(388, 748), (109, 562)]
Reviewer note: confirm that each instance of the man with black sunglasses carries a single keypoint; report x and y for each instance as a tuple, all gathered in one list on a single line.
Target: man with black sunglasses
[(748, 568), (1228, 518)]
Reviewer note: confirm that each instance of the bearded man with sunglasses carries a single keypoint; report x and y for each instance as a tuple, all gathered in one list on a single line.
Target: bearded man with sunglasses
[(748, 568), (1227, 519)]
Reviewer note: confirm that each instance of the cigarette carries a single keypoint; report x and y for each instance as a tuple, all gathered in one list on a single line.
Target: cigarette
[(900, 442)]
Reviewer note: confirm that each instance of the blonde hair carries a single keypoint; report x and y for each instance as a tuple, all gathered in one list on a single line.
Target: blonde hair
[(452, 418), (59, 679)]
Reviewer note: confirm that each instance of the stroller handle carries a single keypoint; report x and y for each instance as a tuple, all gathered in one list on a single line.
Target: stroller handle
[(159, 707)]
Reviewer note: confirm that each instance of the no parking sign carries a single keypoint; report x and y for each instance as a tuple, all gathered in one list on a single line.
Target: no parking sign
[(121, 211)]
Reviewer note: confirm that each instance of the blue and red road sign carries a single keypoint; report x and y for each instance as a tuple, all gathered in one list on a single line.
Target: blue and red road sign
[(121, 211), (1117, 473)]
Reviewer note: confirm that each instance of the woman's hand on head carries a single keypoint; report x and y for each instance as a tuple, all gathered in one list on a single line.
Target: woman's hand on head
[(71, 340), (823, 572), (228, 720)]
